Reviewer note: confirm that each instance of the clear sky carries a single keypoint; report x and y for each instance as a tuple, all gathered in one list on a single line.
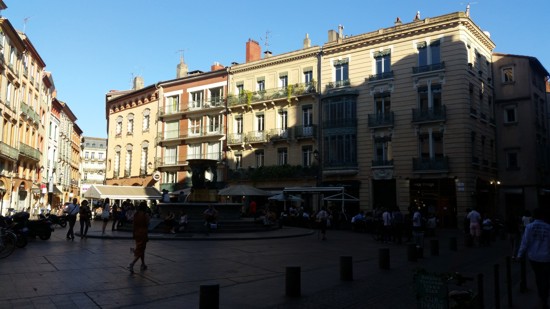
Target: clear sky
[(94, 46)]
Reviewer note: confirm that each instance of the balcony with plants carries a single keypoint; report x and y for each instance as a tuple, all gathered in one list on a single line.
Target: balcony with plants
[(8, 152), (235, 138), (273, 94), (256, 137), (29, 152), (338, 84)]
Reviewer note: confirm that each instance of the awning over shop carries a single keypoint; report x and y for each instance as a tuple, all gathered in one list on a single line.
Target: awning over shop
[(56, 190), (122, 193)]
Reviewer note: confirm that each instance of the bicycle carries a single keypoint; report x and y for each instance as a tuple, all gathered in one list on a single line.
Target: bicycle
[(8, 239)]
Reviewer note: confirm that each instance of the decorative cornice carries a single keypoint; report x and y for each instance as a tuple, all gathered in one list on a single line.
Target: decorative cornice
[(311, 52)]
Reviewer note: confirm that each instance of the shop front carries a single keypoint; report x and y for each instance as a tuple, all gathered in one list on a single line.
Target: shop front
[(437, 197)]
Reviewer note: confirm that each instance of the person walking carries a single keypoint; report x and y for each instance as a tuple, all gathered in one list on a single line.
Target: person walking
[(85, 216), (72, 210), (535, 244), (141, 236), (105, 214), (322, 218), (417, 229), (475, 225)]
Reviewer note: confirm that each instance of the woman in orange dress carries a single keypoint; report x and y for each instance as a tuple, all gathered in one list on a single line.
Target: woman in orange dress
[(141, 229)]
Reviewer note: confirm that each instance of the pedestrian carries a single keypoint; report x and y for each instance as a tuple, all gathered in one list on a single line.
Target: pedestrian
[(85, 216), (475, 225), (511, 225), (105, 214), (210, 218), (322, 219), (417, 229), (397, 225), (72, 210), (387, 228), (253, 209), (141, 237), (535, 244), (116, 217)]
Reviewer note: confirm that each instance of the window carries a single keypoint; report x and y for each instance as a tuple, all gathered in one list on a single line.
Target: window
[(260, 85), (512, 160), (118, 129), (117, 162), (172, 104), (238, 161), (146, 119), (93, 155), (510, 114), (195, 126), (196, 99), (100, 155), (431, 145), (240, 89), (383, 61), (307, 152), (260, 122), (171, 129), (170, 155), (86, 155), (382, 103), (340, 150), (213, 151), (308, 77), (216, 96), (341, 73), (128, 165), (144, 159), (282, 156), (307, 121), (430, 98), (429, 54), (508, 75), (283, 120), (130, 124), (382, 150), (194, 151), (259, 158), (214, 124), (283, 81), (170, 177), (238, 125)]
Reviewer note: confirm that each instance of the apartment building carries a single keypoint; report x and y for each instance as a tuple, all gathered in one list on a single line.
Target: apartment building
[(55, 195), (68, 159), (272, 118), (131, 132), (522, 141), (93, 158), (192, 126)]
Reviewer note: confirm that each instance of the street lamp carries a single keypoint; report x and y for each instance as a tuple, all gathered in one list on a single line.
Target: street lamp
[(495, 184)]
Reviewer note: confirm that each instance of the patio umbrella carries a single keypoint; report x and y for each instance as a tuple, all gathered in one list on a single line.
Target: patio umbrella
[(243, 190), (281, 198)]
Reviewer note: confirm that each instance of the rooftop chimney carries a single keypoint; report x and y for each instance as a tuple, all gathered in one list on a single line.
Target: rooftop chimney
[(182, 69), (138, 83), (253, 51), (307, 41), (267, 54), (332, 36), (216, 66)]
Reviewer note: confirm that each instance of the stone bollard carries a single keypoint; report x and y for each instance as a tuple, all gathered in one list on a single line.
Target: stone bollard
[(209, 296), (346, 268), (453, 246), (293, 281), (434, 247), (384, 258), (411, 252)]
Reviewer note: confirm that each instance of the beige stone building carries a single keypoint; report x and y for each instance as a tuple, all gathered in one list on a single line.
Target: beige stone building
[(522, 139), (131, 132), (407, 114), (93, 158), (273, 117)]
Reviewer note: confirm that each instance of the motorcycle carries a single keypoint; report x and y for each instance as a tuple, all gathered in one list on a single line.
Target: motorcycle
[(19, 231), (56, 220), (42, 228)]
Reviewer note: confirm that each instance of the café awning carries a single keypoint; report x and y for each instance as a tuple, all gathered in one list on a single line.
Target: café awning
[(122, 193)]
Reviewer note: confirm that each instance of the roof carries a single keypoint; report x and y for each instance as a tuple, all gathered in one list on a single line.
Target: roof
[(122, 193)]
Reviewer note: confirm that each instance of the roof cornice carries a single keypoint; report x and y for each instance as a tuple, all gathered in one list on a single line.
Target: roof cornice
[(275, 60)]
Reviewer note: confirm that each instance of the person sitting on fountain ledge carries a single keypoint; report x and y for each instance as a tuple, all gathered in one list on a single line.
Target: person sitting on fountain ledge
[(210, 217)]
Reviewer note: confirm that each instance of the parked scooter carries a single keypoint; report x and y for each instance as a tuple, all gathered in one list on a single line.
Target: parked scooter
[(42, 227), (55, 219), (18, 229)]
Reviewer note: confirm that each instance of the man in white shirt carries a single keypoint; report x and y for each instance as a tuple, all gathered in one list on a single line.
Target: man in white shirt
[(72, 210), (475, 224)]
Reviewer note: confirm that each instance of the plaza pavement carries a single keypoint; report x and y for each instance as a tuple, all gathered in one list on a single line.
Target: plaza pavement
[(248, 267)]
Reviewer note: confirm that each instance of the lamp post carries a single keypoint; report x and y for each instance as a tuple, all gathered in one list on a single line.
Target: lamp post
[(495, 184)]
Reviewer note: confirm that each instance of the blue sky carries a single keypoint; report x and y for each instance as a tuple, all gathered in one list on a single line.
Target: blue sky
[(92, 47)]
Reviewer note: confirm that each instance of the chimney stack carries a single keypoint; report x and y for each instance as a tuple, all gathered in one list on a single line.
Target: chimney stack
[(216, 66), (182, 69), (253, 50), (307, 41), (138, 83), (267, 54), (332, 36)]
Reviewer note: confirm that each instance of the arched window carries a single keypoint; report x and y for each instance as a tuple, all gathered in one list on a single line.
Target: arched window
[(146, 119), (130, 123), (118, 129)]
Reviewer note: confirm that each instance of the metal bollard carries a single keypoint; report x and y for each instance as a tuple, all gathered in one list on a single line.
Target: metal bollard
[(523, 276), (434, 247), (293, 281), (209, 296), (496, 269), (453, 244), (346, 268), (509, 280), (384, 258), (411, 252)]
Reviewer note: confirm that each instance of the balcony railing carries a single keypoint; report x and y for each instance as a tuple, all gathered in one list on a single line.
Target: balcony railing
[(380, 76), (8, 152), (338, 84), (429, 114), (272, 94), (256, 137), (202, 105), (29, 152), (171, 135), (340, 123), (235, 138), (171, 110), (29, 112), (305, 131), (209, 156), (429, 68), (279, 134), (169, 161), (380, 120), (382, 163), (431, 164)]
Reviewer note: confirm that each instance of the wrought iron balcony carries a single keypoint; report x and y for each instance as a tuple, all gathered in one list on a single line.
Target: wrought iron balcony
[(279, 134), (171, 110), (9, 152), (287, 93), (338, 84), (431, 164), (256, 137), (235, 138), (382, 162), (29, 152), (169, 161), (381, 120), (209, 156), (340, 123), (381, 76), (429, 68), (429, 114), (305, 131)]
